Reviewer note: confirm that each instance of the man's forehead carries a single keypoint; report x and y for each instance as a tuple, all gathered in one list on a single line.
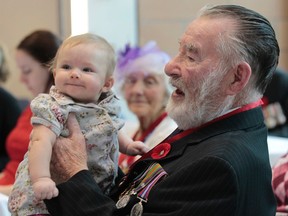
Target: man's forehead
[(204, 29), (209, 25)]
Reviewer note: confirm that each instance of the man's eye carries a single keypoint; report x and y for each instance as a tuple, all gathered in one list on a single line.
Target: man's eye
[(191, 58)]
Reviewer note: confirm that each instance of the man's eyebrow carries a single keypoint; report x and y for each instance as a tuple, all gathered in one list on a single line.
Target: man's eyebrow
[(191, 48)]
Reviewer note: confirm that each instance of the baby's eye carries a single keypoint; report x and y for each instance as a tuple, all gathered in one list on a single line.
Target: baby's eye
[(66, 67), (87, 70)]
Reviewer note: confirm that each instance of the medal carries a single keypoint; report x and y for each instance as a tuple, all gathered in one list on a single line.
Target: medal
[(137, 209), (141, 187), (123, 201)]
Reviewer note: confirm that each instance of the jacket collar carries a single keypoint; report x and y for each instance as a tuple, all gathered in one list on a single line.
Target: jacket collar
[(240, 121)]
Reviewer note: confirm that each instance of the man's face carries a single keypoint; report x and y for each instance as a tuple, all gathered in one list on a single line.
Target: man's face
[(195, 73)]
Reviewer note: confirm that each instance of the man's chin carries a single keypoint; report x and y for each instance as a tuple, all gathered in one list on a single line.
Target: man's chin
[(177, 113), (184, 115)]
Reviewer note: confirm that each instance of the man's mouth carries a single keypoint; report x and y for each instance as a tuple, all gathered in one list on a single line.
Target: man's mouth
[(179, 92)]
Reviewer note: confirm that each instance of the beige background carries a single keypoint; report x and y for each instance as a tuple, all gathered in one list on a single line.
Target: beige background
[(20, 17), (165, 20), (161, 20)]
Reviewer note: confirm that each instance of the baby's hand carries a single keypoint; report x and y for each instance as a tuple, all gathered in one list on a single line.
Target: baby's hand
[(136, 148), (45, 188)]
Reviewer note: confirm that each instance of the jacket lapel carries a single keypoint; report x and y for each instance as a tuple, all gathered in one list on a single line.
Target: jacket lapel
[(241, 121)]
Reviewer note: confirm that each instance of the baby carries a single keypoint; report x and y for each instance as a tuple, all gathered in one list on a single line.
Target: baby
[(83, 71)]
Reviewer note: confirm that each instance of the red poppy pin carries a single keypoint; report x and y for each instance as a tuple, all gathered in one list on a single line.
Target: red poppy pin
[(160, 151)]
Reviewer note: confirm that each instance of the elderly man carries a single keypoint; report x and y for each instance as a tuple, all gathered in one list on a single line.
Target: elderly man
[(216, 162)]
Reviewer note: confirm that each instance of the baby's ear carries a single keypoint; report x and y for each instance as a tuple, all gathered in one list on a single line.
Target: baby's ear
[(108, 84), (53, 72)]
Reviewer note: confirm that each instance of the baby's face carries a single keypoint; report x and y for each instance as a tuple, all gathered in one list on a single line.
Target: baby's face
[(81, 72)]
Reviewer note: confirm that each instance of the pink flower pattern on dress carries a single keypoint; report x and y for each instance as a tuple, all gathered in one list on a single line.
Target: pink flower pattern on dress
[(58, 114)]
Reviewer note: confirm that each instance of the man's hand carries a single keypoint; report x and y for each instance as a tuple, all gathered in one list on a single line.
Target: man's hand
[(69, 153)]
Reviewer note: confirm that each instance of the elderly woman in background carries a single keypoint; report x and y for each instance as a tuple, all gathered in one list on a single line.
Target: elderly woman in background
[(145, 87)]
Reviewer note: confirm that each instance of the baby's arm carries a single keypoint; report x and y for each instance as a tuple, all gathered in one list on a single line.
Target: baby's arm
[(42, 140), (130, 147)]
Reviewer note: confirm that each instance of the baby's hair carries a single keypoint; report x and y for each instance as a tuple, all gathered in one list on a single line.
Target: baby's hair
[(89, 38)]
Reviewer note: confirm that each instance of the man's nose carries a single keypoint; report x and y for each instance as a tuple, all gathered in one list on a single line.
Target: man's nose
[(172, 68)]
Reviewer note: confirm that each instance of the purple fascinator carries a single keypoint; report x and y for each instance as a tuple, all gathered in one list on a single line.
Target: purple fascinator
[(147, 59)]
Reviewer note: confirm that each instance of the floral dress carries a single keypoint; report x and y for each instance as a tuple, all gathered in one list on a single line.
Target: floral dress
[(99, 124)]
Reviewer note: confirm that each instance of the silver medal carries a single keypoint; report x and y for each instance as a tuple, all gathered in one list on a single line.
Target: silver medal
[(123, 201), (137, 209)]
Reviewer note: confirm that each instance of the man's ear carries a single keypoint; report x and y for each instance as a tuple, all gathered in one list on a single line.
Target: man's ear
[(239, 78), (108, 84)]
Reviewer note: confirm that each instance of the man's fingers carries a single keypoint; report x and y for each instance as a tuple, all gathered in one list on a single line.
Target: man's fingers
[(72, 124)]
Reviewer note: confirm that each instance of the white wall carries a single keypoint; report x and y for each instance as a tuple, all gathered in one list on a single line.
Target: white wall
[(115, 20)]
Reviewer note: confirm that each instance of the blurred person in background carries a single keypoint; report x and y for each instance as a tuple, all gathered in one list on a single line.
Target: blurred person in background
[(276, 113), (145, 87), (275, 106), (9, 109), (33, 55)]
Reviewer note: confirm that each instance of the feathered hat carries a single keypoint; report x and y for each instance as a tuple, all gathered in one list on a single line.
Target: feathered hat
[(146, 59)]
